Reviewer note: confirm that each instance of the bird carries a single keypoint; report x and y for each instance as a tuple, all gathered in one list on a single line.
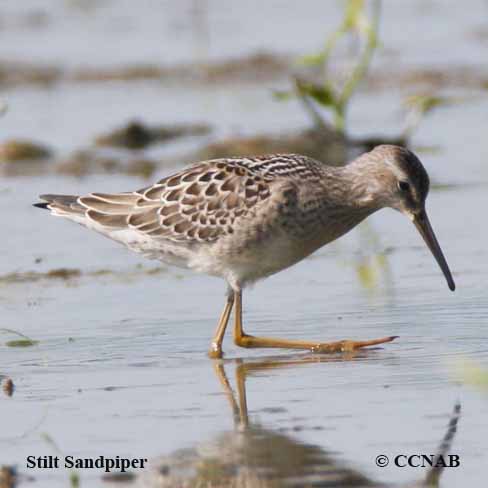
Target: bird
[(246, 218)]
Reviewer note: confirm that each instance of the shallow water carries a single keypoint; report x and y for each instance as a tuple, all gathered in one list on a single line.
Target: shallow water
[(120, 367)]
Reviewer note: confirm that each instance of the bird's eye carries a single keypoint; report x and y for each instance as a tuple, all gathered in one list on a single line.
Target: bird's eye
[(404, 186)]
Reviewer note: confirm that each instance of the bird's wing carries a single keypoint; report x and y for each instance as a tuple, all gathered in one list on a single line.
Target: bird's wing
[(200, 203)]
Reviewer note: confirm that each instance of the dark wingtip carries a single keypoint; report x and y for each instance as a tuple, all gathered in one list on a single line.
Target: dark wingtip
[(41, 205), (451, 285)]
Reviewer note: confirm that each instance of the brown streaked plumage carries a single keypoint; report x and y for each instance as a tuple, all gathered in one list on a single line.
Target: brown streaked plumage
[(246, 218)]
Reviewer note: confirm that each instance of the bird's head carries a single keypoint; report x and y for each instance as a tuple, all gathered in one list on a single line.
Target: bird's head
[(403, 184)]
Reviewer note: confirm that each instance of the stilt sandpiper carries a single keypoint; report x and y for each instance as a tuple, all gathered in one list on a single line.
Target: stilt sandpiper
[(244, 219)]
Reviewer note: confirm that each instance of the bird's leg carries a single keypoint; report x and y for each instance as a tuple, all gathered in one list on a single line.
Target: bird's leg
[(215, 351), (244, 340)]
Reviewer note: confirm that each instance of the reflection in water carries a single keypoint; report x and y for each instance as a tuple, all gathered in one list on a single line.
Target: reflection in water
[(253, 456), (372, 267)]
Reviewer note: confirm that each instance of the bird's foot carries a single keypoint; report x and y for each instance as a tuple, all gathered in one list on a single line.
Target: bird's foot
[(348, 345), (215, 352)]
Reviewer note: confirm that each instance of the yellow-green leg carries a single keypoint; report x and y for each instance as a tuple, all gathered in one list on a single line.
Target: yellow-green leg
[(244, 340), (215, 351)]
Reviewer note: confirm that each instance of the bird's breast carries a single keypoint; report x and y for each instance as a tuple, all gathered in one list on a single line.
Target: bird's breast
[(262, 250)]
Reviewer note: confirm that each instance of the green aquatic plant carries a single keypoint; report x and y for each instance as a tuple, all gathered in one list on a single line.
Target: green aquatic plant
[(3, 107), (326, 91), (420, 105), (331, 94), (21, 343), (74, 477), (24, 340), (372, 265), (471, 373)]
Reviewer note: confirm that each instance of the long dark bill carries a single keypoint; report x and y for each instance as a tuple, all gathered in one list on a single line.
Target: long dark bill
[(422, 223)]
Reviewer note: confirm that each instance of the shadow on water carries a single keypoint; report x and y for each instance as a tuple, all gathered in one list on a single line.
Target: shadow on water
[(254, 456)]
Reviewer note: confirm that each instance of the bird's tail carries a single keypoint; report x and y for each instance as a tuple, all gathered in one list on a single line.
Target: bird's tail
[(62, 205)]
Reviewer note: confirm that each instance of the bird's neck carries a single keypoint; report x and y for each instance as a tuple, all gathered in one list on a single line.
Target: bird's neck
[(361, 185)]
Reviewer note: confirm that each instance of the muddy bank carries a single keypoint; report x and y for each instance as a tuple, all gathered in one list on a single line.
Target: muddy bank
[(116, 151), (436, 78), (258, 67), (74, 275), (323, 144), (90, 161)]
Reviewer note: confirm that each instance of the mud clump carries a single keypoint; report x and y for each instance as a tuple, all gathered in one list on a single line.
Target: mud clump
[(88, 161), (259, 66), (8, 476), (141, 167), (124, 73), (73, 275), (34, 276), (15, 150), (133, 136), (63, 273), (8, 387), (16, 73), (118, 477), (432, 78), (136, 135), (85, 161), (319, 144)]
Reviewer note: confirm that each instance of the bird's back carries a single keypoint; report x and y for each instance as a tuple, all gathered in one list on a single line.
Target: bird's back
[(249, 216)]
